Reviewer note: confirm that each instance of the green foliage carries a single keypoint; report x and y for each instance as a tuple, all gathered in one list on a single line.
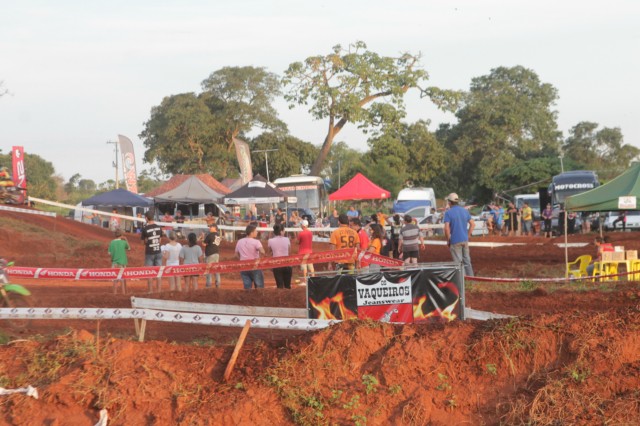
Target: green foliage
[(42, 181), (353, 85), (292, 157), (370, 383), (193, 133), (492, 369)]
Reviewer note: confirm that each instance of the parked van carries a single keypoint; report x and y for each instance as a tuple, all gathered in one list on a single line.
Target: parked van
[(410, 198), (633, 221)]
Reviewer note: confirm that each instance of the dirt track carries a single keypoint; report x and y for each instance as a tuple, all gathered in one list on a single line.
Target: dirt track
[(573, 342)]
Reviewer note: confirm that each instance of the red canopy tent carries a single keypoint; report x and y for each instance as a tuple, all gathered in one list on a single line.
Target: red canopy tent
[(360, 188)]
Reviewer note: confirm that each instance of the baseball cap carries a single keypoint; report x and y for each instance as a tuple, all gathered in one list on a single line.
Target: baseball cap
[(305, 223), (453, 197)]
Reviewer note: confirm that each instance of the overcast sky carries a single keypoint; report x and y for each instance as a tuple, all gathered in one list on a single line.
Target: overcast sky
[(80, 73)]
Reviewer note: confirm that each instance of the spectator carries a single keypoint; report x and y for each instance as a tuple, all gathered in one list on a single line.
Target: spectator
[(408, 243), (622, 218), (547, 215), (212, 252), (168, 219), (114, 222), (305, 246), (512, 221), (280, 246), (191, 255), (457, 234), (352, 212), (171, 257), (118, 250), (396, 226), (333, 219), (363, 236), (378, 236), (602, 245), (527, 219), (249, 248), (344, 237), (151, 234)]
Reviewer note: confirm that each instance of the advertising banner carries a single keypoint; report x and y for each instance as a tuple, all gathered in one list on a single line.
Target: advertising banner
[(427, 294), (128, 163), (244, 160), (19, 174)]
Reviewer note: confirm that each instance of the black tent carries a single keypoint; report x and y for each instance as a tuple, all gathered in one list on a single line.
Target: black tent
[(258, 191), (118, 198)]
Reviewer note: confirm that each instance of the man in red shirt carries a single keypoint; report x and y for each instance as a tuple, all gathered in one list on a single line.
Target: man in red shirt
[(305, 241), (356, 225)]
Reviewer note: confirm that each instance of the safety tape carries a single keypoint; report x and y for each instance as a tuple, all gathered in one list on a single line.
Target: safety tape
[(19, 210), (149, 272), (164, 316), (550, 280)]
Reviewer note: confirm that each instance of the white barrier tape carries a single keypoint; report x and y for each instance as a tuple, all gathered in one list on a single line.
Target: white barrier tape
[(278, 323), (550, 280), (27, 211), (29, 391), (104, 418)]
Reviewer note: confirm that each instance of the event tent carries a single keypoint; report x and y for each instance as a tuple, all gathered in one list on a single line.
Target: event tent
[(118, 198), (360, 188), (258, 191), (188, 189), (607, 196)]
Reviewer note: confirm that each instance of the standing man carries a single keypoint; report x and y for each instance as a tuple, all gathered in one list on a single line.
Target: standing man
[(280, 246), (250, 248), (118, 251), (212, 251), (114, 222), (457, 234), (344, 237), (305, 246), (527, 219), (151, 234), (353, 212), (410, 236), (356, 225)]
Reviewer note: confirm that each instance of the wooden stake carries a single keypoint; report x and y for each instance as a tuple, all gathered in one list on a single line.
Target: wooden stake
[(236, 350)]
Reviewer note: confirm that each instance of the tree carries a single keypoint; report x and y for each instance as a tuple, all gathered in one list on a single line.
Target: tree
[(193, 133), (41, 179), (293, 156), (507, 117), (602, 150), (344, 163), (357, 86)]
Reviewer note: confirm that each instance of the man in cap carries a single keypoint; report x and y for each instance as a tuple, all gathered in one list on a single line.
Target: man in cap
[(457, 232), (212, 251)]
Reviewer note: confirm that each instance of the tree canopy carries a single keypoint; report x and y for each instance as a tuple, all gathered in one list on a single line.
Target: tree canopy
[(355, 85)]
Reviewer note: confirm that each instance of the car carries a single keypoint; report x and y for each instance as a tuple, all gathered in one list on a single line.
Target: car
[(633, 221)]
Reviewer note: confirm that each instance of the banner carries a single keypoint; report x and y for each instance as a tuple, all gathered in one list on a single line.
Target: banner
[(128, 163), (244, 160), (19, 174), (428, 294)]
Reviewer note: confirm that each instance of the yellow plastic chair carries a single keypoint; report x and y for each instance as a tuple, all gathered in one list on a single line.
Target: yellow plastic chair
[(609, 269), (635, 268), (578, 268)]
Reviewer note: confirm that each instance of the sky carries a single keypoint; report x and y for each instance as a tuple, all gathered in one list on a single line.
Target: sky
[(81, 72)]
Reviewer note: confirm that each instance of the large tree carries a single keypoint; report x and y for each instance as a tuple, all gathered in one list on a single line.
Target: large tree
[(42, 181), (193, 133), (507, 117), (599, 149), (355, 85), (292, 157)]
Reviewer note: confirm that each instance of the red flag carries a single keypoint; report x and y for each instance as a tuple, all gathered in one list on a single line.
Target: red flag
[(19, 174)]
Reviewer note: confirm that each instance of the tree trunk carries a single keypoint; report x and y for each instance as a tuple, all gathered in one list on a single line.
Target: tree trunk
[(318, 164)]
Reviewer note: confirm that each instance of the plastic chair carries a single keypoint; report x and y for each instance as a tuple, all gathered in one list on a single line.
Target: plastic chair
[(579, 266), (635, 268), (609, 269)]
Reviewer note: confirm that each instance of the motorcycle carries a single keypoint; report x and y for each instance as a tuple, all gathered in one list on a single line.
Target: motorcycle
[(13, 296)]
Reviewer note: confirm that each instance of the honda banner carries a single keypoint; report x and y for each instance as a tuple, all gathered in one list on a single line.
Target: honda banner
[(128, 163), (426, 294), (244, 160)]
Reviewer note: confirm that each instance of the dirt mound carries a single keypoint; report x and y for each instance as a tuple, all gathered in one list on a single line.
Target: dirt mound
[(570, 357)]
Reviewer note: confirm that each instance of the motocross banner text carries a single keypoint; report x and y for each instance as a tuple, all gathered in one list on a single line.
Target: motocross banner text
[(128, 163), (19, 174), (426, 294)]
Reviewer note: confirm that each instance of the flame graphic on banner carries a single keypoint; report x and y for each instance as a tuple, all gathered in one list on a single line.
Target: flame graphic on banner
[(446, 313), (324, 308)]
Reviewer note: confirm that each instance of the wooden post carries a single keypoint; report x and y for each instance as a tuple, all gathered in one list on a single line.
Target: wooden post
[(236, 350)]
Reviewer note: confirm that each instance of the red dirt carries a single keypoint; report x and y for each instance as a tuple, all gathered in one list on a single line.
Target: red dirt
[(572, 356)]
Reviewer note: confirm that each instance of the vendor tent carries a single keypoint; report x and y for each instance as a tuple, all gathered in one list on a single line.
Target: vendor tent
[(118, 198), (190, 189), (258, 191), (614, 195), (360, 188)]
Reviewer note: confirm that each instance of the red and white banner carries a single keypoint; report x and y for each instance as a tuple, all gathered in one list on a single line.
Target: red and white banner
[(145, 272), (19, 173), (128, 163)]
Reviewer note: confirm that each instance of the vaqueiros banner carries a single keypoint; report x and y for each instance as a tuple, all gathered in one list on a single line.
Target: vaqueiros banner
[(128, 163), (396, 296), (19, 174)]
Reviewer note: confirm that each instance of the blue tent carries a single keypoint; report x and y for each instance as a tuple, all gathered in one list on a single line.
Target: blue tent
[(118, 198)]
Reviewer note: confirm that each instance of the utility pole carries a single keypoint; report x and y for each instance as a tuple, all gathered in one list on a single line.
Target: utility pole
[(266, 159), (115, 164)]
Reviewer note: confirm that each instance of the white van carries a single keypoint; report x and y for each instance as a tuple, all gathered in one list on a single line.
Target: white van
[(410, 198), (633, 221)]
